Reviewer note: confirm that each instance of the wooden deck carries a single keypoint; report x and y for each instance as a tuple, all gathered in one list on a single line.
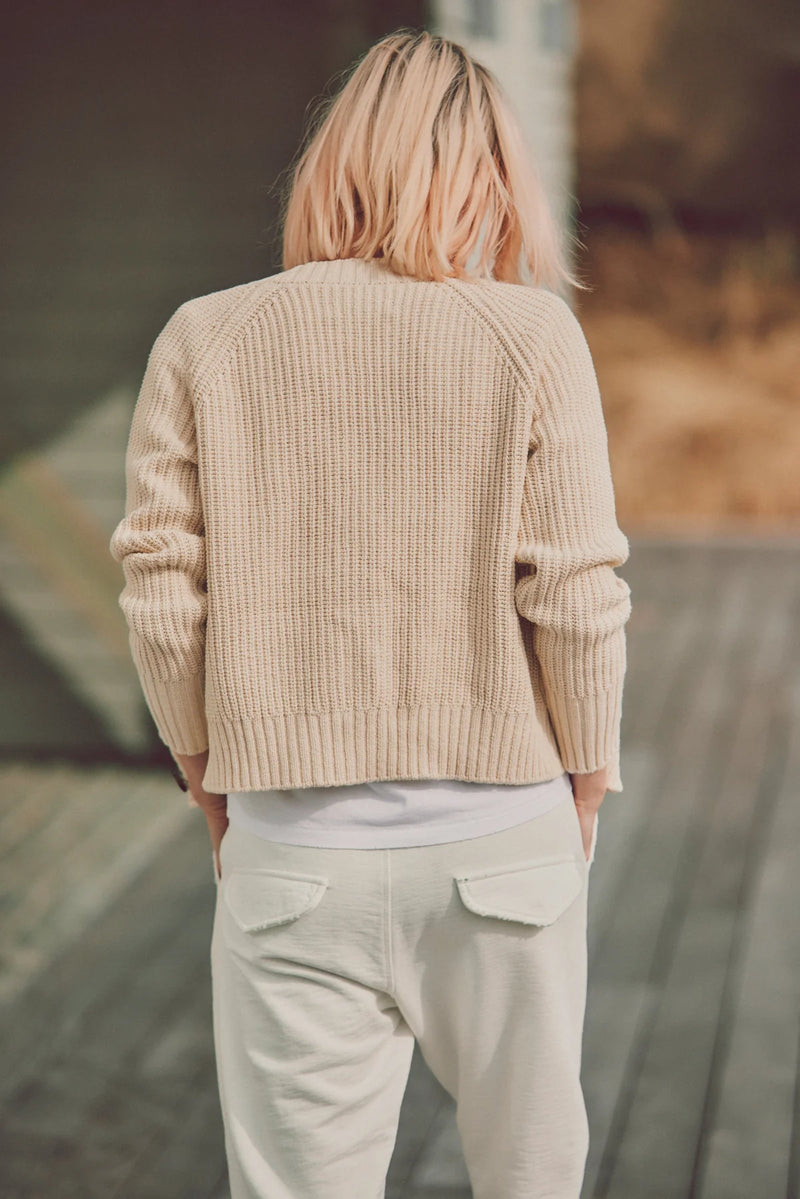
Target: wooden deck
[(692, 1035)]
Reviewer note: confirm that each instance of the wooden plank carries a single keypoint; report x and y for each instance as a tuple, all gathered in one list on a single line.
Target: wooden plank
[(70, 1133), (186, 1154), (91, 832), (90, 1083), (93, 973), (659, 1120), (24, 801), (44, 813), (188, 1162), (639, 943), (671, 643), (671, 595), (747, 1145)]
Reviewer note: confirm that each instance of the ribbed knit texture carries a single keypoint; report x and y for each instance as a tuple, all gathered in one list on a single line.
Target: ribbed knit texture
[(370, 533)]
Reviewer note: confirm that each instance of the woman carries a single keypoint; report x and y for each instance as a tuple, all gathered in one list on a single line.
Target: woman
[(369, 550)]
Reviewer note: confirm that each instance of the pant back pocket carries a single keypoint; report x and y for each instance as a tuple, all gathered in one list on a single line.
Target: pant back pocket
[(530, 892), (261, 898)]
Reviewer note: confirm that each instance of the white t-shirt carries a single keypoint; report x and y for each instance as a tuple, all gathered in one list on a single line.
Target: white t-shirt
[(392, 813)]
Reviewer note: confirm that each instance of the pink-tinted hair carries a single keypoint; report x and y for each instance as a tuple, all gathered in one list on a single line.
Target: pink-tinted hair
[(415, 155)]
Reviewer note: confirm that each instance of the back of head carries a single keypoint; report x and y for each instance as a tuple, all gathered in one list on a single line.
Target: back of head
[(419, 160)]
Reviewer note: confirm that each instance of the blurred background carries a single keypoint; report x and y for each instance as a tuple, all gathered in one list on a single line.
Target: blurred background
[(144, 146)]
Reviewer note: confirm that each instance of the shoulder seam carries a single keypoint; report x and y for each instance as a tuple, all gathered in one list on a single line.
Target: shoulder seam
[(204, 384), (525, 376), (496, 334)]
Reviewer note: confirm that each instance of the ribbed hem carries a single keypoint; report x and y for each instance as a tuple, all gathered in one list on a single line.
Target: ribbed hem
[(178, 710), (588, 732), (335, 748)]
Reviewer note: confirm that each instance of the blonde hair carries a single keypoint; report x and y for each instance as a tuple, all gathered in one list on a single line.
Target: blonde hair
[(418, 151)]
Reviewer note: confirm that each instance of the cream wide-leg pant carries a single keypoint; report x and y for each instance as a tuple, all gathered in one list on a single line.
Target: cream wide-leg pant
[(328, 963)]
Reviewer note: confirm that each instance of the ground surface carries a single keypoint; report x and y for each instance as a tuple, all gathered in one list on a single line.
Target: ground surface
[(690, 1068)]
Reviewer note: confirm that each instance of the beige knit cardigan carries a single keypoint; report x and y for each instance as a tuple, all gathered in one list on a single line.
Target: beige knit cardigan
[(370, 533)]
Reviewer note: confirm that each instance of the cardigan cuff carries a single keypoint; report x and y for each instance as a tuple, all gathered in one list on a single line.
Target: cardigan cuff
[(588, 732), (179, 712)]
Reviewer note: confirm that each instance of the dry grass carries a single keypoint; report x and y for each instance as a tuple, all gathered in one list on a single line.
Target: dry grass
[(696, 342)]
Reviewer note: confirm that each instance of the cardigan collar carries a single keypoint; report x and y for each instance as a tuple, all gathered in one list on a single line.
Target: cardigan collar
[(344, 270)]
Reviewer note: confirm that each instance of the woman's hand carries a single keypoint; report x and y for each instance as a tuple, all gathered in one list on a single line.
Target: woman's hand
[(588, 791), (215, 807)]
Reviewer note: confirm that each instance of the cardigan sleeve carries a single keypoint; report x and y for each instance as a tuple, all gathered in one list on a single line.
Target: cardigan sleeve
[(569, 544), (160, 543)]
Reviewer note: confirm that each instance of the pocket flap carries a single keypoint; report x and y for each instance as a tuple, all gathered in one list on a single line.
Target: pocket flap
[(259, 899), (533, 892)]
